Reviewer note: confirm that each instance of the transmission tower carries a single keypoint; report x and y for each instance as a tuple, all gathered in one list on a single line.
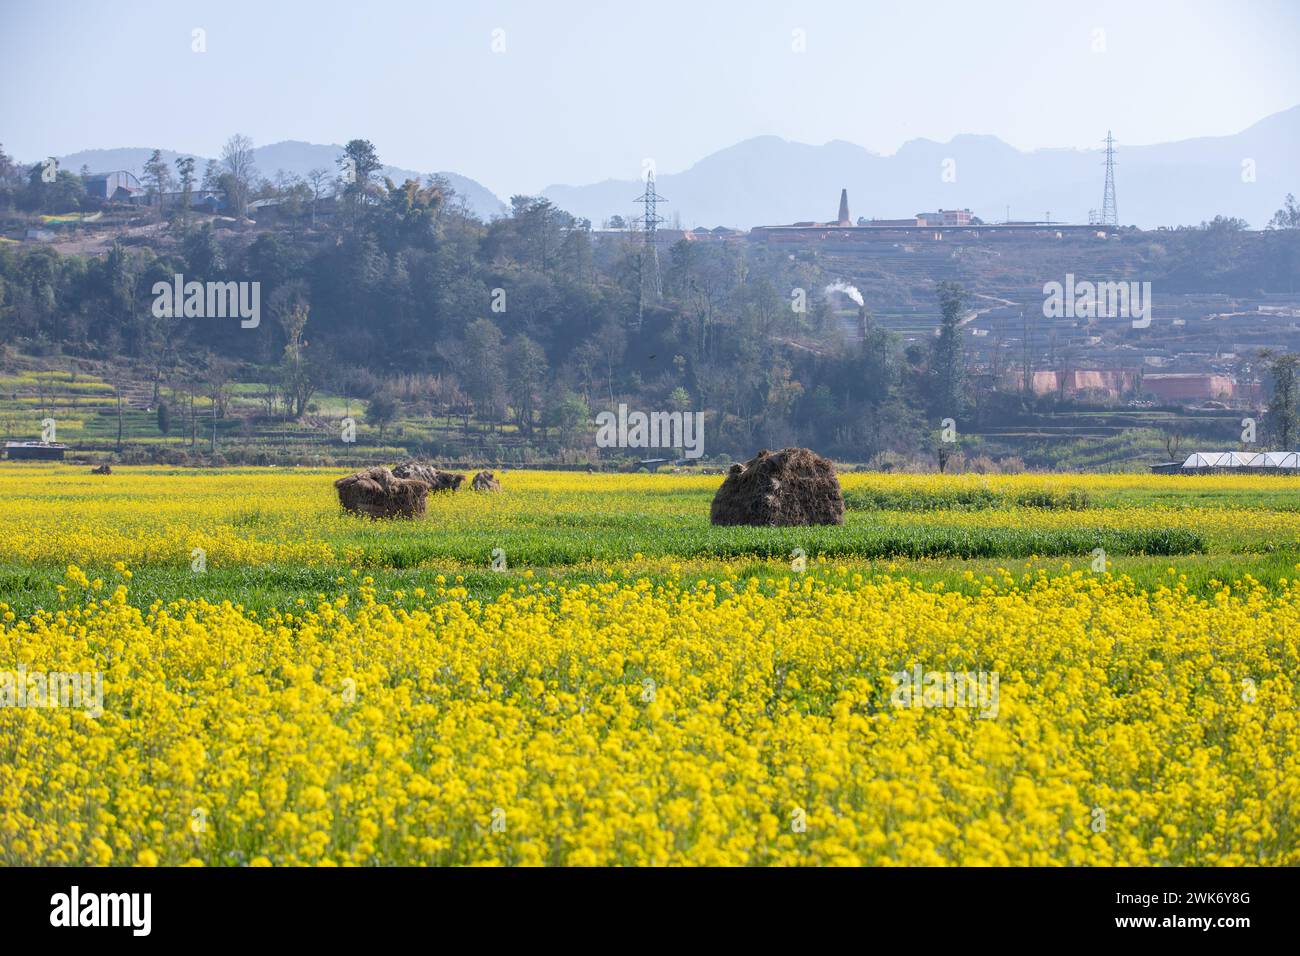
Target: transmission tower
[(1109, 217), (648, 259)]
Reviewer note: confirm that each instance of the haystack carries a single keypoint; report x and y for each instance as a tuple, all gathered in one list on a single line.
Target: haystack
[(431, 476), (793, 486), (485, 481), (379, 493)]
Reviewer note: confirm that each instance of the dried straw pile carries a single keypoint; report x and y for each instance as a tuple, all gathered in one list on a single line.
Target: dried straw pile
[(431, 476), (379, 493), (485, 481), (793, 486)]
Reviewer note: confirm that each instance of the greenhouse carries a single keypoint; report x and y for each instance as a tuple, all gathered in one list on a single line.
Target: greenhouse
[(1264, 461)]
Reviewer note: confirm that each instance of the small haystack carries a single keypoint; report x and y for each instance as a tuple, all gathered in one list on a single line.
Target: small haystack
[(379, 493), (793, 486), (431, 476), (101, 470), (485, 481)]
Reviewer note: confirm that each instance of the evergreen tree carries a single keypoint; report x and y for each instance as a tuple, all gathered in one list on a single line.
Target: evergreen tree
[(947, 362)]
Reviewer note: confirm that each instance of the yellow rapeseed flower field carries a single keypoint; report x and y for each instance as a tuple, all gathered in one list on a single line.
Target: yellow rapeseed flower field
[(676, 718), (54, 515)]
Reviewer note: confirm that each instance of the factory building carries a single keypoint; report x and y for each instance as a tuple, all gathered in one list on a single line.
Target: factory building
[(930, 225), (1188, 386), (945, 217)]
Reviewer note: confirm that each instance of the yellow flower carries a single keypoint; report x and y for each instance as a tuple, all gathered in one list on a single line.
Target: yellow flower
[(679, 709)]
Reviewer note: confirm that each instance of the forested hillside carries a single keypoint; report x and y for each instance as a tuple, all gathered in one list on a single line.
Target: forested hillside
[(394, 298)]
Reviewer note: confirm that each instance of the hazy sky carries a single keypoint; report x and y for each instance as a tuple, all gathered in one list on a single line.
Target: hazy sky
[(585, 91)]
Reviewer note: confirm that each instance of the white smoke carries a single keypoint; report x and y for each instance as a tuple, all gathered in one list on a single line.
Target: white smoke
[(849, 290)]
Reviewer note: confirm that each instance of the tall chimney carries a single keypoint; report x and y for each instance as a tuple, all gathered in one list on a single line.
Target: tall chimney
[(844, 208)]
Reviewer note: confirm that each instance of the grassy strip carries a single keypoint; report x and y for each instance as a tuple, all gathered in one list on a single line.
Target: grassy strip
[(966, 499), (1051, 497), (279, 587), (574, 546)]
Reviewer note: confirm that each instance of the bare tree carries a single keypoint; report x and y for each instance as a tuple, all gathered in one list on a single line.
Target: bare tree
[(1173, 441), (119, 418), (298, 378), (317, 179), (217, 384), (237, 163)]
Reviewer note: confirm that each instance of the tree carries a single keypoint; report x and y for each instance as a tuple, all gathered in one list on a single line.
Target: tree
[(1283, 416), (1288, 217), (481, 367), (238, 172), (203, 254), (526, 369), (947, 364), (64, 194), (192, 388), (539, 228), (1225, 224), (382, 411), (11, 179), (359, 162), (185, 173), (298, 379), (219, 385), (164, 418), (1173, 441), (316, 180), (407, 216), (782, 390), (157, 342), (567, 411), (157, 178), (119, 418), (211, 176)]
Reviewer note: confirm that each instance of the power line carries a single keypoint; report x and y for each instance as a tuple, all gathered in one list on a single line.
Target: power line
[(649, 221), (1109, 217)]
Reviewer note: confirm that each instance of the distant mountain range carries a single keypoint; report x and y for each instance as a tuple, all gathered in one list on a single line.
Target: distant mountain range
[(768, 181), (291, 156)]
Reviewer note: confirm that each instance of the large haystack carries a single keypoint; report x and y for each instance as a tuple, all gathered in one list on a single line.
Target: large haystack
[(485, 481), (431, 476), (379, 493), (793, 486)]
